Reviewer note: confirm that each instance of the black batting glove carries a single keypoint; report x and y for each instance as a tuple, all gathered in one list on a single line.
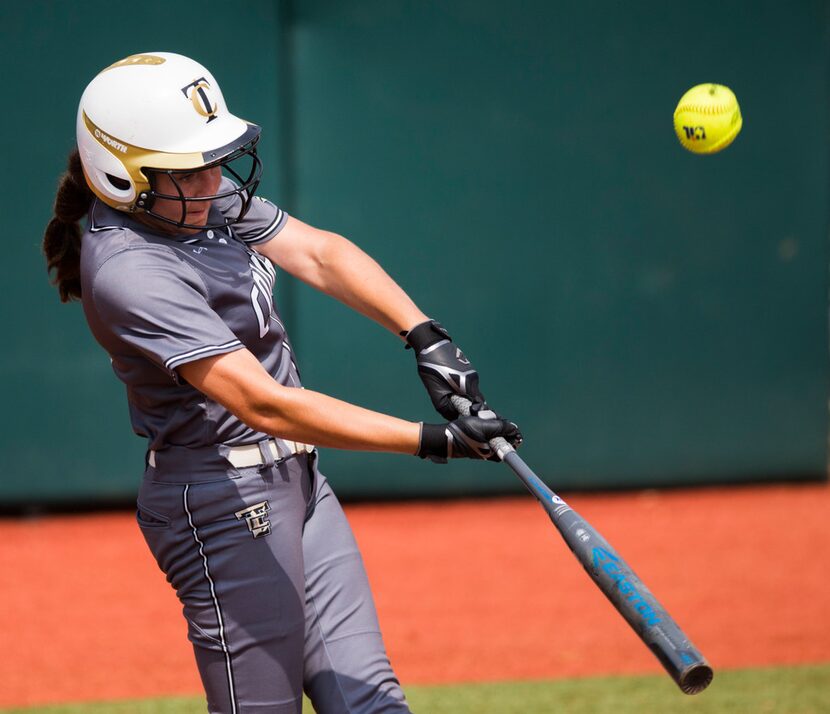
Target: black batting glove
[(467, 437), (443, 368)]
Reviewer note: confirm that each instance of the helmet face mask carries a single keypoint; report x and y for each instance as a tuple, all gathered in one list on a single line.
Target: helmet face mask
[(163, 114), (243, 190)]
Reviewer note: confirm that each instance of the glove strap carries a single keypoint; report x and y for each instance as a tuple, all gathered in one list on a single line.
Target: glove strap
[(425, 334), (433, 444)]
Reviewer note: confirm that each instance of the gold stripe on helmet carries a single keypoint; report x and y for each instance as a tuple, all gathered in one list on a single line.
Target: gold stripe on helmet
[(136, 59), (134, 159)]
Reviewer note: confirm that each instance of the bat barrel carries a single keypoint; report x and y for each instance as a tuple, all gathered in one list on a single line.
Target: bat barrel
[(620, 584), (695, 679), (614, 577)]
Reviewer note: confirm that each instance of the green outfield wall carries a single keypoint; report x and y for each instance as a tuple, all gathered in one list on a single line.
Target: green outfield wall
[(649, 317)]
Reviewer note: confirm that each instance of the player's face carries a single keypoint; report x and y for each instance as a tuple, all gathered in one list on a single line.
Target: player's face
[(199, 183)]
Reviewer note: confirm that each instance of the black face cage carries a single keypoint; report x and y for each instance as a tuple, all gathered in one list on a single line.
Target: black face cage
[(244, 190)]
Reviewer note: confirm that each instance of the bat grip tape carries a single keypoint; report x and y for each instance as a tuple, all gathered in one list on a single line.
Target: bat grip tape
[(500, 445)]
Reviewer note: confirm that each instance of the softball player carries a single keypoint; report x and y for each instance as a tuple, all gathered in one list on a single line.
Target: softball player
[(175, 270)]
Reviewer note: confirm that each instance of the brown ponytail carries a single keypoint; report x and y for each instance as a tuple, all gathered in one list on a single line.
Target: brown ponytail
[(62, 239)]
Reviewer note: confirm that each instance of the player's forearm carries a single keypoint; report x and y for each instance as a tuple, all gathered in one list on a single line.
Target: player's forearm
[(314, 418), (351, 276), (238, 382)]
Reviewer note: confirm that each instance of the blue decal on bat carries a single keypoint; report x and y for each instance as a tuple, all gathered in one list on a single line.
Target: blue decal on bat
[(609, 563), (543, 489)]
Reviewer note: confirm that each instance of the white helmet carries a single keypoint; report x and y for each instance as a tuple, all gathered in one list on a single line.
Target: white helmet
[(160, 113)]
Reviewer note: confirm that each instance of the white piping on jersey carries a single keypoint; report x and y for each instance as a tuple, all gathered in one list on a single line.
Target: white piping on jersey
[(293, 364), (172, 362), (96, 229), (219, 618), (268, 229), (285, 344), (92, 227)]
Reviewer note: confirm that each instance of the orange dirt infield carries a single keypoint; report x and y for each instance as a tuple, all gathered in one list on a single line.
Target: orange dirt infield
[(467, 591)]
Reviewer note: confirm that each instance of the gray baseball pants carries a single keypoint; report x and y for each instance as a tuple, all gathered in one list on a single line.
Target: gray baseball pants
[(273, 587)]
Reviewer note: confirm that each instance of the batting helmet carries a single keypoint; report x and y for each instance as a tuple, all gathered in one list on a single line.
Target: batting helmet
[(160, 112)]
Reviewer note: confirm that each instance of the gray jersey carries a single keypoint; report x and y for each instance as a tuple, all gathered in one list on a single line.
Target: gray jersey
[(155, 302)]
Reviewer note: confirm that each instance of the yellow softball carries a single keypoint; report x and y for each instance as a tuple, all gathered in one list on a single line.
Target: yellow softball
[(707, 118)]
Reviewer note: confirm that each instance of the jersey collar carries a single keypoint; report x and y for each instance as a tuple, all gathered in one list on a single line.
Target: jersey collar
[(102, 217)]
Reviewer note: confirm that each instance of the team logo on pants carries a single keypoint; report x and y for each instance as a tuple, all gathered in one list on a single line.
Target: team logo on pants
[(258, 522)]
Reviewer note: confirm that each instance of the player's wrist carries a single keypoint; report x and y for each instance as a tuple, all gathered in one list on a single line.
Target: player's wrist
[(432, 443), (424, 335)]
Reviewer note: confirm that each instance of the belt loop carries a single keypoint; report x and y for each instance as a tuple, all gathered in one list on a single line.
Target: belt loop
[(266, 453), (266, 450), (285, 449)]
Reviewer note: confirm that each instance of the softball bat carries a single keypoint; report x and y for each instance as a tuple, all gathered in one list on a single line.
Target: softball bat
[(614, 577)]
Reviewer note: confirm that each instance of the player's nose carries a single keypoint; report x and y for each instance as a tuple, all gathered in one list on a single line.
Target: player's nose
[(205, 183), (210, 179)]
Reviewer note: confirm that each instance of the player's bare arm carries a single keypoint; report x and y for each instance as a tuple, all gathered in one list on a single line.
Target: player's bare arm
[(334, 265), (238, 382)]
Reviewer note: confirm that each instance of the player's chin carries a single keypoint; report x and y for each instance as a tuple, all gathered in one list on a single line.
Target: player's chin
[(197, 217)]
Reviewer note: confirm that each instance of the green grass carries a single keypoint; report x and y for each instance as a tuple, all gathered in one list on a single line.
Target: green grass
[(780, 690)]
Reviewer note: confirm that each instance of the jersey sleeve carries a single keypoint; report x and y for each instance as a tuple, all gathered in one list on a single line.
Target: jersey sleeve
[(158, 304), (262, 221)]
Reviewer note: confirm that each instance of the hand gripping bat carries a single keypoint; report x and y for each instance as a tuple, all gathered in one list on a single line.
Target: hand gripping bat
[(613, 576)]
